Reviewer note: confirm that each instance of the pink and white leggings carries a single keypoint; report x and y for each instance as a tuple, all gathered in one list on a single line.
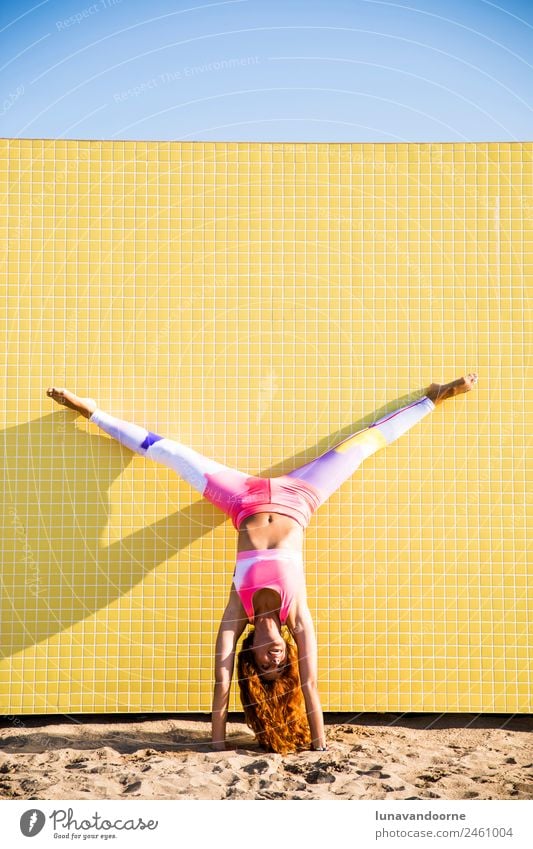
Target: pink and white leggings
[(326, 473)]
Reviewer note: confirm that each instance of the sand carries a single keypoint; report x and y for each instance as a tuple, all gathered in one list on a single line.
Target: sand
[(370, 756)]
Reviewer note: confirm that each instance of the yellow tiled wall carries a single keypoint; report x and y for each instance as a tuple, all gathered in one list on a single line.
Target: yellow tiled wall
[(259, 302)]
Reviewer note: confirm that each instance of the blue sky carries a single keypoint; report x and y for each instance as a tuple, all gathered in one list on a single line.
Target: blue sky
[(250, 70)]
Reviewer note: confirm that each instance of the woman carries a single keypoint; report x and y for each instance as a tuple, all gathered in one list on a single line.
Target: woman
[(277, 668)]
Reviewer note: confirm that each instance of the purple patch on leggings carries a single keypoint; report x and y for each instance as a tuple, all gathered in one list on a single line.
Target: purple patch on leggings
[(150, 439)]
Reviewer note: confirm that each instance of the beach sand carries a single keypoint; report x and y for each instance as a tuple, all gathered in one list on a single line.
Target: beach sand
[(167, 756)]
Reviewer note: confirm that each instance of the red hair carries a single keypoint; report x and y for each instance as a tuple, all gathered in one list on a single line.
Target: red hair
[(273, 709)]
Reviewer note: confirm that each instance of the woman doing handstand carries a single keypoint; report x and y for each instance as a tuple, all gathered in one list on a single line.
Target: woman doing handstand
[(277, 666)]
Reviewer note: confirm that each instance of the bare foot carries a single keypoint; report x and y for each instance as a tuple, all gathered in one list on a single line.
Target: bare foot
[(85, 406), (439, 392)]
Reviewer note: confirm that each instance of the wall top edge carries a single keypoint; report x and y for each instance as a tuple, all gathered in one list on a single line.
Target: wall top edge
[(63, 143)]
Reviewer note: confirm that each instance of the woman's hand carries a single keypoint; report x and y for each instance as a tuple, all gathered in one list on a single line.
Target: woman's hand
[(231, 627), (304, 635)]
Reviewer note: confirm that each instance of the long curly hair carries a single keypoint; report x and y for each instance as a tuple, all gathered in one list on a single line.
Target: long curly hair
[(275, 709)]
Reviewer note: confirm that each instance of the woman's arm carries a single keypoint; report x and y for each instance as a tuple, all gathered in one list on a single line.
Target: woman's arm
[(231, 627), (304, 635)]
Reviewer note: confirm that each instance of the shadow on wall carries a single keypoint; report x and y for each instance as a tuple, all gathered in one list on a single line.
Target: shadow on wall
[(50, 462)]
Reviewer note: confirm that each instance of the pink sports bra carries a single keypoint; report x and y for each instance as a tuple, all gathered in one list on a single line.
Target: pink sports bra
[(279, 569)]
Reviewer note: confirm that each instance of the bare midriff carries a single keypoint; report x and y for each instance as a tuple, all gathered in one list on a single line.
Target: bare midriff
[(261, 531)]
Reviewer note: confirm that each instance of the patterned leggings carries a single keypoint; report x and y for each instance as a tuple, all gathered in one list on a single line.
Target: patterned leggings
[(326, 473)]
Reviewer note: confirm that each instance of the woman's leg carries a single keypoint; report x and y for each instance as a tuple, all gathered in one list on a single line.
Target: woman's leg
[(189, 464), (331, 469), (219, 484)]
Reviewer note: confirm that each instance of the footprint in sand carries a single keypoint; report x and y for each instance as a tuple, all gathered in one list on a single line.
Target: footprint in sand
[(78, 763), (132, 788)]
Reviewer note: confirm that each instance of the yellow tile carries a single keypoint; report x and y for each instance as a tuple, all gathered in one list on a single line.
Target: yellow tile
[(261, 323)]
